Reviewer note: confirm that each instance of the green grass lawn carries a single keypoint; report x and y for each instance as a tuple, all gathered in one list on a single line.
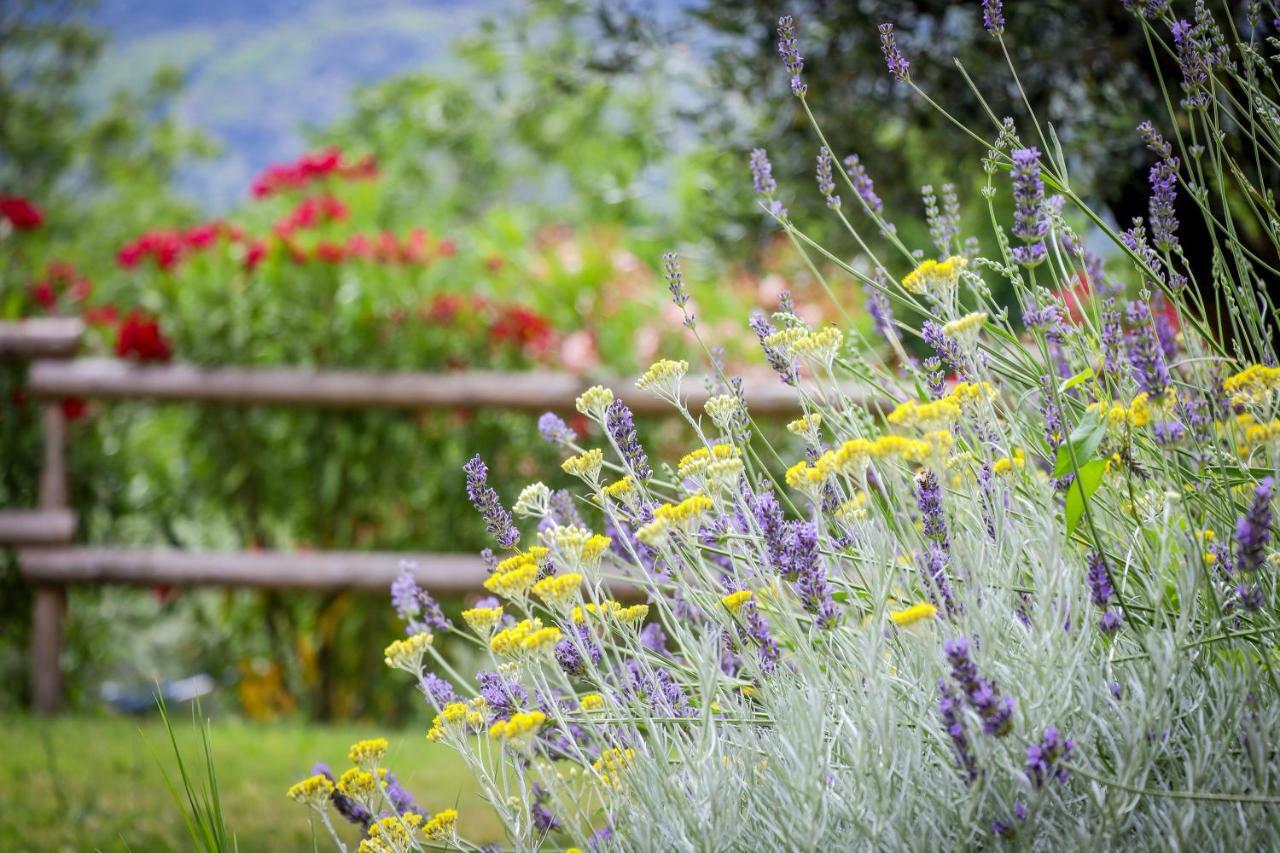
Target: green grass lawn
[(90, 783)]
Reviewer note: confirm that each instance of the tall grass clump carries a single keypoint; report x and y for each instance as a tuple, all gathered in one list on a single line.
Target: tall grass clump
[(1021, 591)]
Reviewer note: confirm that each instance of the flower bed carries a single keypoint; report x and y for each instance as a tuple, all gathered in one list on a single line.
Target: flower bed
[(1033, 601)]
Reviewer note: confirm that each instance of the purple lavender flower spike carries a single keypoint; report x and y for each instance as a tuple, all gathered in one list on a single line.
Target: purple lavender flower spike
[(982, 694), (1253, 534), (1164, 196), (1154, 141), (993, 16), (1100, 590), (1030, 219), (497, 520), (862, 183), (950, 707), (791, 57), (898, 65), (675, 284), (1048, 759), (437, 690), (554, 430), (622, 428), (781, 364), (929, 502), (413, 604), (826, 181)]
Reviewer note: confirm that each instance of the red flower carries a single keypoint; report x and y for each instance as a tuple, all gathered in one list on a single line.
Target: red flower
[(360, 246), (202, 236), (448, 248), (139, 337), (254, 254), (164, 245), (60, 277), (330, 253), (73, 408), (317, 165), (444, 307), (310, 212), (524, 327), (44, 295), (494, 262), (105, 315), (21, 213)]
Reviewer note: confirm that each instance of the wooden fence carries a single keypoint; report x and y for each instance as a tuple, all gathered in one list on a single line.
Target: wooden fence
[(44, 536)]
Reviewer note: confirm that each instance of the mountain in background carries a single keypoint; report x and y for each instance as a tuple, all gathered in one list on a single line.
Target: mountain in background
[(260, 71)]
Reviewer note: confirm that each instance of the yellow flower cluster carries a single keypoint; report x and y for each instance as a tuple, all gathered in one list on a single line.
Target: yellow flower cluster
[(807, 478), (585, 465), (621, 489), (634, 615), (913, 614), (483, 620), (723, 409), (441, 825), (594, 401), (785, 338), (931, 415), (367, 753), (612, 762), (458, 712), (695, 464), (935, 278), (520, 725), (663, 377), (1255, 385), (541, 641), (359, 785), (1119, 416), (682, 516), (734, 601), (1014, 462), (515, 582), (392, 834), (576, 546), (821, 346), (312, 791), (509, 641), (558, 590), (407, 654), (806, 426), (1257, 434), (854, 509), (396, 833), (971, 392), (591, 702), (967, 327)]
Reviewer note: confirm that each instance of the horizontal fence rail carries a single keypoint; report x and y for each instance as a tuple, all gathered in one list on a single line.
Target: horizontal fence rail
[(302, 570), (112, 379), (41, 337), (36, 527)]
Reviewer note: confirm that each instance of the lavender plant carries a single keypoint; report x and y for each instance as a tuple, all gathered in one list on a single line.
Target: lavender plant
[(1034, 604)]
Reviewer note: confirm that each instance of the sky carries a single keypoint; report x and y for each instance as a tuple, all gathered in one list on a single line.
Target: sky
[(258, 72)]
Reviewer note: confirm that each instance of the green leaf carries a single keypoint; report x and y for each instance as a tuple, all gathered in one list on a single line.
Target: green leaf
[(1086, 483), (1084, 442), (1082, 376)]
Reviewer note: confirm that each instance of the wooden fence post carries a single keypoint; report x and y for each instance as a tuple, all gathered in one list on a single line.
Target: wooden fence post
[(50, 601)]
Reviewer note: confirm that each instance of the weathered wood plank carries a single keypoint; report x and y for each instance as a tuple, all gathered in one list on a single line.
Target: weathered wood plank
[(50, 610), (41, 337), (36, 527), (261, 569), (111, 379)]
